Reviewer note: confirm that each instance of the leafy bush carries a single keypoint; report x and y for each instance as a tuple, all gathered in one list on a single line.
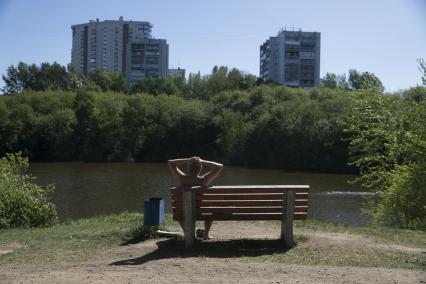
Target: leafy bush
[(404, 203), (22, 202), (388, 144)]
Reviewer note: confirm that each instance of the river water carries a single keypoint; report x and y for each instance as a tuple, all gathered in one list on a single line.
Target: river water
[(91, 189)]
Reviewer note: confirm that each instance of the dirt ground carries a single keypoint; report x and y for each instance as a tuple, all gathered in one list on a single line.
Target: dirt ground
[(222, 261)]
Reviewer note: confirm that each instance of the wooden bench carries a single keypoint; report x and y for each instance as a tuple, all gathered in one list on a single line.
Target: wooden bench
[(243, 202)]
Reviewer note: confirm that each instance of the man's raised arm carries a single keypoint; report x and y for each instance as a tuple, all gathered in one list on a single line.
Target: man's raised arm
[(215, 168), (173, 166)]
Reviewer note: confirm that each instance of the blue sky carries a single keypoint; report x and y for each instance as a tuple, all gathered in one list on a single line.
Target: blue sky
[(383, 36)]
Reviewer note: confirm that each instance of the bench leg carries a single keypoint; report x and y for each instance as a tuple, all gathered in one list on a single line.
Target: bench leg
[(189, 217), (287, 219)]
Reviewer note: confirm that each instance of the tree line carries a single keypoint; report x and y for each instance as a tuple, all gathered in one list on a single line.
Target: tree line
[(57, 77), (347, 125), (266, 126), (53, 113)]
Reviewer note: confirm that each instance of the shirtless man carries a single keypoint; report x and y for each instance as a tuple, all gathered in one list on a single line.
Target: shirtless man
[(193, 176)]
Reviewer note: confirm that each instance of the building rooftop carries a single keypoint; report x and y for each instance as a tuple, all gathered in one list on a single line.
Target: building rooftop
[(111, 21)]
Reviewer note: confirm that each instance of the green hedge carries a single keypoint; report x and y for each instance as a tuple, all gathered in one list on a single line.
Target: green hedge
[(22, 202)]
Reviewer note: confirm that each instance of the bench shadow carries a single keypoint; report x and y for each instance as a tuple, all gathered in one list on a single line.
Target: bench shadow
[(173, 248)]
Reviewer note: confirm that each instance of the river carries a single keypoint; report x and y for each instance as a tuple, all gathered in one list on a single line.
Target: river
[(91, 189)]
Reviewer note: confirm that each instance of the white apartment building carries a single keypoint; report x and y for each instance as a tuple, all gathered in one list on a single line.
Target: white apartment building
[(147, 58), (106, 45), (291, 58)]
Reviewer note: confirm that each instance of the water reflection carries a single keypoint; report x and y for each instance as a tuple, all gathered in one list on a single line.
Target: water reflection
[(84, 190)]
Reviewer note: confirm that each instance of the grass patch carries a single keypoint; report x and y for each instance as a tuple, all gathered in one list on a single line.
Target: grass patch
[(300, 238), (397, 236), (340, 255), (74, 240)]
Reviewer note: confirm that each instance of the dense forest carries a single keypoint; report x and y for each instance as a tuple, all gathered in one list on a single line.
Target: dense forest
[(51, 113), (266, 126), (348, 124), (227, 116)]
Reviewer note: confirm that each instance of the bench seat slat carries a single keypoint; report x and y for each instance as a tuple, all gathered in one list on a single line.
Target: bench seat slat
[(239, 210), (247, 209), (238, 203), (274, 209)]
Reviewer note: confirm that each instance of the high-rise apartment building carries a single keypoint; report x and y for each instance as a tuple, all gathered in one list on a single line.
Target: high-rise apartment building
[(106, 45), (291, 58), (147, 58)]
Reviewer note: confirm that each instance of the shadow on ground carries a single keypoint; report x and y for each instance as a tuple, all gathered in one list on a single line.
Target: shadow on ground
[(173, 248)]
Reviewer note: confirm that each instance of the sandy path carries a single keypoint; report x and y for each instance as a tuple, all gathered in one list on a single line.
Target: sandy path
[(146, 263), (216, 271)]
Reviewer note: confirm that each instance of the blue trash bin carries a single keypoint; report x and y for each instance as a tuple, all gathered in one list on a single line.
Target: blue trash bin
[(153, 212)]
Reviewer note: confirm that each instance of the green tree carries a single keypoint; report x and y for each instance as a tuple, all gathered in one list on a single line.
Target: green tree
[(333, 81), (40, 78), (197, 87), (12, 81), (76, 80), (101, 78), (218, 80), (417, 93), (373, 130), (118, 83), (155, 86), (364, 81), (138, 124), (329, 81), (342, 83), (239, 80), (403, 203), (109, 126), (20, 78), (388, 145), (51, 76), (86, 128), (422, 68)]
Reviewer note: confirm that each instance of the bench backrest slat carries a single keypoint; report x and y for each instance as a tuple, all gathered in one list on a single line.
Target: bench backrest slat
[(243, 216), (241, 203), (177, 195)]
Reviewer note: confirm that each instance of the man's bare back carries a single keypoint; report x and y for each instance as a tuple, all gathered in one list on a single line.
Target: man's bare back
[(192, 176)]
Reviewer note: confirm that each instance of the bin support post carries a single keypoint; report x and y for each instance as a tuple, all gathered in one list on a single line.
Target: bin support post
[(287, 219), (189, 216)]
